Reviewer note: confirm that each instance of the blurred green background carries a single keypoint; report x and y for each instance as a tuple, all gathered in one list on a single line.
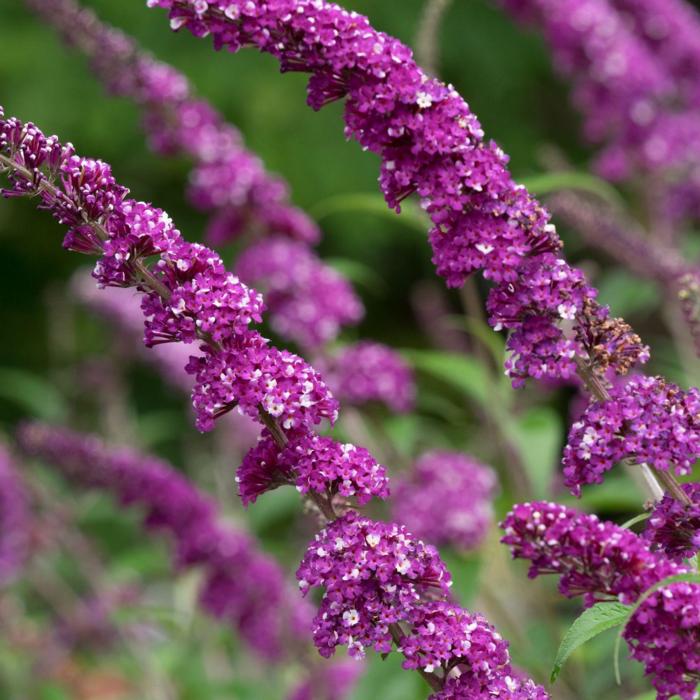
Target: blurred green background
[(49, 345)]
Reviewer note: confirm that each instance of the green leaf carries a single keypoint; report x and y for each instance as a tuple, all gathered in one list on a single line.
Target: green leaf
[(369, 203), (360, 274), (538, 435), (627, 294), (460, 371), (590, 623), (33, 394), (678, 578), (637, 519), (547, 183)]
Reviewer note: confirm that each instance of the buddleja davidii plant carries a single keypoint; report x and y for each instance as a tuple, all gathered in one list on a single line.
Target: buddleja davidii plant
[(384, 587), (431, 143)]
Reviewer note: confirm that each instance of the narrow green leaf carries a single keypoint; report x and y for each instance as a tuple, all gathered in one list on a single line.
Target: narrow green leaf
[(637, 519), (32, 393), (369, 203), (538, 434), (359, 273), (678, 578), (590, 623), (546, 183), (461, 371)]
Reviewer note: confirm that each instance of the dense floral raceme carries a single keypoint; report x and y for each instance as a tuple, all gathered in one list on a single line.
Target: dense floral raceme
[(188, 295), (674, 527), (431, 144), (310, 300), (447, 498), (645, 420), (634, 64), (442, 634), (15, 519), (512, 687), (373, 574), (599, 560), (382, 585), (371, 372), (313, 464), (260, 604), (604, 561)]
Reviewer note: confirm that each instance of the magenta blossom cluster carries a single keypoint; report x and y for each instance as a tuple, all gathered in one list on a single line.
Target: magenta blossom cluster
[(447, 498), (382, 586), (188, 295), (510, 687), (604, 561), (674, 527), (313, 464), (634, 64), (599, 560), (311, 301), (14, 519), (431, 144), (670, 28), (371, 372), (260, 604), (373, 574), (645, 420)]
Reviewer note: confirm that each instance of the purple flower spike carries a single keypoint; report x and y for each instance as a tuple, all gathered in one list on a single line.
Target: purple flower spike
[(507, 687), (312, 464), (447, 499), (260, 605), (645, 420), (598, 560), (373, 575), (603, 561), (673, 527)]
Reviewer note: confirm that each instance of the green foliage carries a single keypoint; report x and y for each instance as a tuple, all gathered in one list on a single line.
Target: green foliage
[(588, 624)]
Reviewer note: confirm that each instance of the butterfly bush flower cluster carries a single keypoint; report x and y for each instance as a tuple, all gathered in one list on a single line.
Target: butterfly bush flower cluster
[(312, 464), (431, 144), (603, 561), (674, 527), (447, 498), (386, 569), (14, 519), (311, 301), (368, 372), (259, 605), (645, 420), (308, 301), (634, 65)]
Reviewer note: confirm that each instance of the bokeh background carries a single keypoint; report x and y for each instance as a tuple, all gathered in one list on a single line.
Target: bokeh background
[(60, 363)]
